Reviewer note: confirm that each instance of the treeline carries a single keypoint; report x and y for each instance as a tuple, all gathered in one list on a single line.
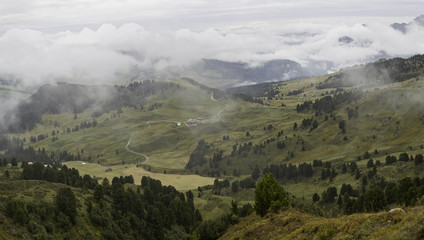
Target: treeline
[(405, 192), (83, 125), (197, 157), (329, 103), (29, 154), (65, 175), (7, 143), (404, 157), (290, 171)]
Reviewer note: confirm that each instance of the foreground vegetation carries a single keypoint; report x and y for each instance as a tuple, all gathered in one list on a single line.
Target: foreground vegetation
[(292, 223)]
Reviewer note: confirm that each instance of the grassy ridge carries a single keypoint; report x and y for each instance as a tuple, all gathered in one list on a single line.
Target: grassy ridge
[(293, 223)]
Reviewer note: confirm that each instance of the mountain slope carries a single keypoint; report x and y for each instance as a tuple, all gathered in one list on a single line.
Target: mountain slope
[(293, 223), (239, 73)]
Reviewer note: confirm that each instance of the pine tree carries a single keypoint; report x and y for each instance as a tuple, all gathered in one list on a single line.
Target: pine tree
[(269, 194)]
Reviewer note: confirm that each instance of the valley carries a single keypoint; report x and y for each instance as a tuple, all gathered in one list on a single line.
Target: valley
[(313, 134)]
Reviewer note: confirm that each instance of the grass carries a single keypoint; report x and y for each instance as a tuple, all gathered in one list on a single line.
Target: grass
[(293, 223), (180, 182)]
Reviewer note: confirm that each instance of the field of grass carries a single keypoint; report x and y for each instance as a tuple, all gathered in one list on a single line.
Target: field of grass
[(179, 181), (293, 223)]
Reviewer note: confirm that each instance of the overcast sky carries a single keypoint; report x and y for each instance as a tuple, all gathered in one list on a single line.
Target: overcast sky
[(60, 15), (96, 39)]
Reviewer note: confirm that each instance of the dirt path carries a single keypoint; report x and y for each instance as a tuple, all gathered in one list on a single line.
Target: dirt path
[(220, 111), (137, 153), (132, 135)]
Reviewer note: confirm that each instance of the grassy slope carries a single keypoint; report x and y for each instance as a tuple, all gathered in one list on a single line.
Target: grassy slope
[(392, 113), (295, 224)]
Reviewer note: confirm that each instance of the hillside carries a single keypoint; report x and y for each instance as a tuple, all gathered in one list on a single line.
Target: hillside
[(316, 135), (378, 118), (38, 202), (292, 223)]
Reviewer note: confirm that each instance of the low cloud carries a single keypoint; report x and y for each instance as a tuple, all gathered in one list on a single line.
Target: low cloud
[(109, 53)]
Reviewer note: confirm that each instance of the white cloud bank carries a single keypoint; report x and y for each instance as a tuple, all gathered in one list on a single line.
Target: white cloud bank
[(103, 54), (69, 40)]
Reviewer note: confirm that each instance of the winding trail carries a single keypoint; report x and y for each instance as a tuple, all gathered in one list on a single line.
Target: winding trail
[(168, 121), (132, 135), (220, 111), (137, 153)]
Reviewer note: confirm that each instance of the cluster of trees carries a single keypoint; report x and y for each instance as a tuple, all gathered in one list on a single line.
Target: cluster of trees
[(406, 192), (65, 156), (83, 125), (404, 157), (197, 157), (309, 122), (4, 162), (328, 173), (7, 143), (42, 219), (241, 149), (150, 212), (216, 159), (40, 137), (377, 197), (281, 144), (155, 106), (329, 103), (290, 171), (28, 154), (68, 176), (295, 92), (218, 184)]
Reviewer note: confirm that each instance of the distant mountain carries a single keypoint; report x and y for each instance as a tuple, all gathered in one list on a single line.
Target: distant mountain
[(240, 73), (403, 27)]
